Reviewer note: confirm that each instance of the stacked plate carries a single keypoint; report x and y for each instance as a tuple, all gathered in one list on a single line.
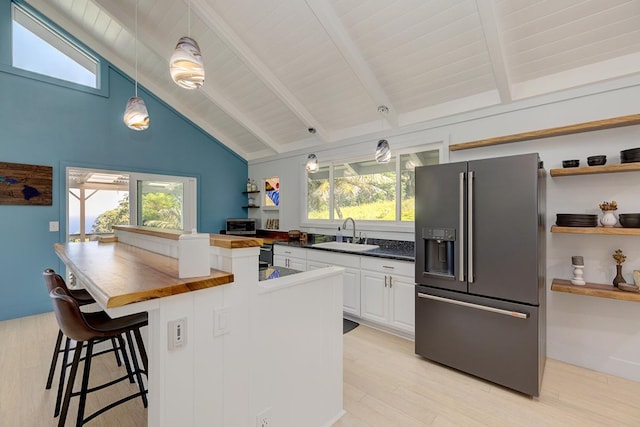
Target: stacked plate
[(576, 220), (629, 220), (631, 155)]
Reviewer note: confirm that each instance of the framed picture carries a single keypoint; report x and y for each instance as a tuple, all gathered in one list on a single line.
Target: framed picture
[(272, 193), (25, 184)]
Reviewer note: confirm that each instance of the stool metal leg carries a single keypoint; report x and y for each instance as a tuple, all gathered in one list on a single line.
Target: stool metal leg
[(85, 383), (136, 367), (70, 381), (63, 371), (54, 360), (117, 354), (142, 350), (127, 364)]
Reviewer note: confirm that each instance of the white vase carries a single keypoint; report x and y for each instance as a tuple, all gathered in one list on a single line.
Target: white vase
[(608, 219)]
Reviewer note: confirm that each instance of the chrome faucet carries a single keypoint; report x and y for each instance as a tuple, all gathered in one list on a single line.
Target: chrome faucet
[(354, 239)]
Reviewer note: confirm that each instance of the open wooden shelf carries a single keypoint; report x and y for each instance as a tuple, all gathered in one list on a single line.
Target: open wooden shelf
[(590, 170), (252, 191), (251, 206), (612, 231), (594, 290), (614, 122)]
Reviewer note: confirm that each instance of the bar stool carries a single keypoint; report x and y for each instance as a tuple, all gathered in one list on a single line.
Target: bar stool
[(54, 280), (90, 328)]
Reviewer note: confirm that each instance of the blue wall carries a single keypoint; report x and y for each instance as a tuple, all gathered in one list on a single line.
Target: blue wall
[(46, 124)]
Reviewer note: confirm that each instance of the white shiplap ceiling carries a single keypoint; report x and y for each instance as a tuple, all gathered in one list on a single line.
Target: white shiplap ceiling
[(275, 68)]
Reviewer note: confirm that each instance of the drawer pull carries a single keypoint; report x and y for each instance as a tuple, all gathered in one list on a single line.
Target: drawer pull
[(516, 314)]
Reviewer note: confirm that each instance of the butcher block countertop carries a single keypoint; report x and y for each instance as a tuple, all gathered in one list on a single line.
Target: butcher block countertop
[(117, 274), (220, 240)]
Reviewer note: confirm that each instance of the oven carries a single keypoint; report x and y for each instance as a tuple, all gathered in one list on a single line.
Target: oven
[(266, 253)]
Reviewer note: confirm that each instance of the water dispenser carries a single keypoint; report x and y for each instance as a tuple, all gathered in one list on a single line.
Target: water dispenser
[(439, 251)]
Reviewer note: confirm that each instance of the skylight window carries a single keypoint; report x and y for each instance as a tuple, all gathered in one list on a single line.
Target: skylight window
[(38, 48)]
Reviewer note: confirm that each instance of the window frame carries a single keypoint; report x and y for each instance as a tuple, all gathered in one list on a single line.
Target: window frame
[(190, 186), (6, 50), (373, 225)]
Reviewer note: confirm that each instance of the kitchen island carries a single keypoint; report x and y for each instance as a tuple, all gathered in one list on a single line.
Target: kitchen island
[(251, 349)]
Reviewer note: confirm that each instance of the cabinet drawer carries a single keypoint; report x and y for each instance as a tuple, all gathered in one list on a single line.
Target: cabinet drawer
[(332, 258), (389, 266), (289, 251)]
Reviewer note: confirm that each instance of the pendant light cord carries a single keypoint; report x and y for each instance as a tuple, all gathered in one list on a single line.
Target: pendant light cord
[(189, 18), (136, 49)]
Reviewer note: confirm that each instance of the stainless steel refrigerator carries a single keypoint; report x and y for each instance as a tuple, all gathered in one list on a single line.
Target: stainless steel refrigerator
[(480, 268)]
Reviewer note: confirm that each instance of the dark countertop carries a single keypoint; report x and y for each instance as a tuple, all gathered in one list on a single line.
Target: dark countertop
[(390, 249)]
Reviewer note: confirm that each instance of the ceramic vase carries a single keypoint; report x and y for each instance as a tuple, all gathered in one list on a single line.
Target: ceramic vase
[(608, 219), (618, 278)]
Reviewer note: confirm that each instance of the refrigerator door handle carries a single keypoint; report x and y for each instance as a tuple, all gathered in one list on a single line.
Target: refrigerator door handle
[(470, 227), (461, 233), (515, 314)]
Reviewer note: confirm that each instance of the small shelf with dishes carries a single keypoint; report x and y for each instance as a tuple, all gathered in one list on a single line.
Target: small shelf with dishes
[(591, 170), (594, 290), (612, 231), (251, 205)]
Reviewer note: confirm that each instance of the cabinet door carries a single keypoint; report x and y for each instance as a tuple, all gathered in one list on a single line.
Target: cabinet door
[(374, 296), (351, 291), (298, 264), (403, 307), (279, 261)]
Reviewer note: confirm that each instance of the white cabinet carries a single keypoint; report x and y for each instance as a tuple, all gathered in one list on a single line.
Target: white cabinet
[(290, 257), (388, 292), (351, 265)]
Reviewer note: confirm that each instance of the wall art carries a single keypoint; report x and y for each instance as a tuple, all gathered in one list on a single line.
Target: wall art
[(25, 184)]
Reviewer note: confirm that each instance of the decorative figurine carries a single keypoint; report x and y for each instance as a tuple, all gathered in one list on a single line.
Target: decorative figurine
[(608, 218), (577, 262), (620, 258)]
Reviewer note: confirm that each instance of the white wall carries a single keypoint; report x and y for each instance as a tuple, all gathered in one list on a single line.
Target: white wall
[(597, 333)]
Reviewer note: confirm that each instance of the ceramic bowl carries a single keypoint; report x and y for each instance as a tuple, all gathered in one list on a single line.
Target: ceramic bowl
[(596, 160), (570, 163), (630, 220)]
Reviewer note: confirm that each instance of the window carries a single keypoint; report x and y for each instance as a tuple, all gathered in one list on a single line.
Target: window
[(36, 47), (99, 199), (367, 190)]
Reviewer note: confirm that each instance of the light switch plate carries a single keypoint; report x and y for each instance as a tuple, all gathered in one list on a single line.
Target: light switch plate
[(177, 333), (221, 321), (54, 226)]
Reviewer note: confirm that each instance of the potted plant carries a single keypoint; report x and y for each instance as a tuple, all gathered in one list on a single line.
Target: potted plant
[(608, 218)]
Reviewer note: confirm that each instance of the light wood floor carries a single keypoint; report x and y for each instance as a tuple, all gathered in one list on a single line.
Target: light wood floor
[(385, 384)]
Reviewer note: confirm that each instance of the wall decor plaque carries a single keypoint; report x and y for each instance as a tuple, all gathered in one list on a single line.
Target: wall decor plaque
[(25, 184)]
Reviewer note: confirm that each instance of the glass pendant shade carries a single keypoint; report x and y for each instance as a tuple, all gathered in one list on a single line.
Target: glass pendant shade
[(136, 116), (186, 66), (383, 152), (312, 163)]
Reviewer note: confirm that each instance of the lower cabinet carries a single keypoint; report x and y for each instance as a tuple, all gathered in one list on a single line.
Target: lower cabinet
[(380, 290), (351, 265), (387, 291), (285, 256)]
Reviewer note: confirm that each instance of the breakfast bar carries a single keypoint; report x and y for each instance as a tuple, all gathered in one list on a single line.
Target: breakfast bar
[(248, 348)]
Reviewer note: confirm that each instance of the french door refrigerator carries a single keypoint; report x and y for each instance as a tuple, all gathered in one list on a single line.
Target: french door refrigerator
[(480, 268)]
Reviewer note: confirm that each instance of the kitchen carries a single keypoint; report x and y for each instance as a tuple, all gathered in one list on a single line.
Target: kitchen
[(596, 333)]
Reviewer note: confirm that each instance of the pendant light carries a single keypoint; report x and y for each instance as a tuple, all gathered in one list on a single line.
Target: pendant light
[(312, 164), (136, 116), (383, 152), (185, 66)]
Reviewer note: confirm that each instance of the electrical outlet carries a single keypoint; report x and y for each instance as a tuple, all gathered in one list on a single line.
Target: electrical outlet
[(263, 418), (177, 333)]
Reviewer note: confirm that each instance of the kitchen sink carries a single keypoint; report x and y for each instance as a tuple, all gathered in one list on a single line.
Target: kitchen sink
[(345, 246)]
